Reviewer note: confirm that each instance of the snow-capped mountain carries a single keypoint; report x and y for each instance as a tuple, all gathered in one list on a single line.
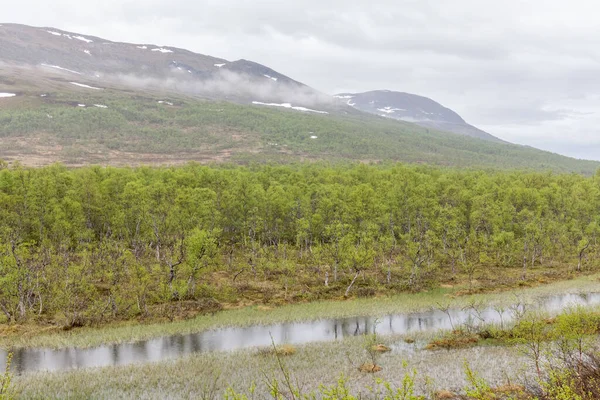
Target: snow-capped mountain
[(98, 62), (412, 108)]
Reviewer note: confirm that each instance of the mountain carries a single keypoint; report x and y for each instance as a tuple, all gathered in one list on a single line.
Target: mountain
[(80, 99), (95, 61), (412, 108)]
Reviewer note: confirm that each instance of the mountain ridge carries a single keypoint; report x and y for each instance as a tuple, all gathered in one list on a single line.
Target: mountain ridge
[(413, 108), (95, 59), (158, 112)]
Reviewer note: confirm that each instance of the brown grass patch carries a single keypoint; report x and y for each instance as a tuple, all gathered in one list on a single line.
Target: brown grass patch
[(381, 348), (369, 368), (456, 339), (285, 350), (444, 395), (510, 389)]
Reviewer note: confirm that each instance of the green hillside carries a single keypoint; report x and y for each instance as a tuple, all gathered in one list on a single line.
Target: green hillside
[(136, 128)]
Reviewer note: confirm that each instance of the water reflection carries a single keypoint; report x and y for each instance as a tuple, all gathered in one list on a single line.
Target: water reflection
[(171, 347)]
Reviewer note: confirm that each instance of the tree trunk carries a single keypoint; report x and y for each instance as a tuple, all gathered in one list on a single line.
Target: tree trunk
[(351, 284), (335, 274), (581, 254), (524, 262)]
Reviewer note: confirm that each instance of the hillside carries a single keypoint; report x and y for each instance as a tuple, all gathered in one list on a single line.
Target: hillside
[(412, 108), (160, 113), (96, 61)]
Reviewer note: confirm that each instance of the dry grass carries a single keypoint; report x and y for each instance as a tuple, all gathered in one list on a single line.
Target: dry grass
[(455, 339), (381, 348), (370, 368), (445, 395), (512, 390), (283, 350)]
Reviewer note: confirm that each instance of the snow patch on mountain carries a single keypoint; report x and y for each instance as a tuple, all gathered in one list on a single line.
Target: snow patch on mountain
[(7, 95), (390, 110), (61, 68), (54, 33), (162, 50), (142, 47), (83, 39), (346, 97), (84, 86), (100, 106), (87, 52), (270, 77), (288, 105), (219, 65)]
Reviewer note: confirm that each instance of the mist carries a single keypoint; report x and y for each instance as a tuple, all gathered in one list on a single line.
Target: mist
[(231, 85)]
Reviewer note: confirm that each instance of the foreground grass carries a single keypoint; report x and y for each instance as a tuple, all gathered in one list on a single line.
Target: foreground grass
[(403, 303), (208, 375)]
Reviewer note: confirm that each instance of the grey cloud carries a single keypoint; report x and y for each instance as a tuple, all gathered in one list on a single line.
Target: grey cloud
[(228, 83), (524, 116)]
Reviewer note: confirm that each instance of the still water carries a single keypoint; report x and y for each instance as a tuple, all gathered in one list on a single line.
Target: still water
[(227, 339)]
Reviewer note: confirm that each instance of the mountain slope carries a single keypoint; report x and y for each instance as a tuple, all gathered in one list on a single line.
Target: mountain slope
[(412, 108), (148, 108), (80, 126), (95, 60)]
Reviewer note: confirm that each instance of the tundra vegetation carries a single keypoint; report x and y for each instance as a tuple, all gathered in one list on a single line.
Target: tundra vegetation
[(92, 245)]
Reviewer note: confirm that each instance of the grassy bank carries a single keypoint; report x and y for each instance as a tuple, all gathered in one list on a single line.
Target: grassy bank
[(16, 336)]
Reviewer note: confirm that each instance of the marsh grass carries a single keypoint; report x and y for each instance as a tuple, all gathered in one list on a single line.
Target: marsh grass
[(311, 366), (379, 306)]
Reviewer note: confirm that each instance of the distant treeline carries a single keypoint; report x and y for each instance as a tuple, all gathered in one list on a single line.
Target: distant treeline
[(81, 245)]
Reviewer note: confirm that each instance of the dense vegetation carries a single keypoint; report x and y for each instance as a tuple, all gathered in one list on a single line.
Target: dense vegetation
[(56, 129), (90, 244)]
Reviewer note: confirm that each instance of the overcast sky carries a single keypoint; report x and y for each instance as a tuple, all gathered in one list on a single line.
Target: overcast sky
[(527, 71)]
